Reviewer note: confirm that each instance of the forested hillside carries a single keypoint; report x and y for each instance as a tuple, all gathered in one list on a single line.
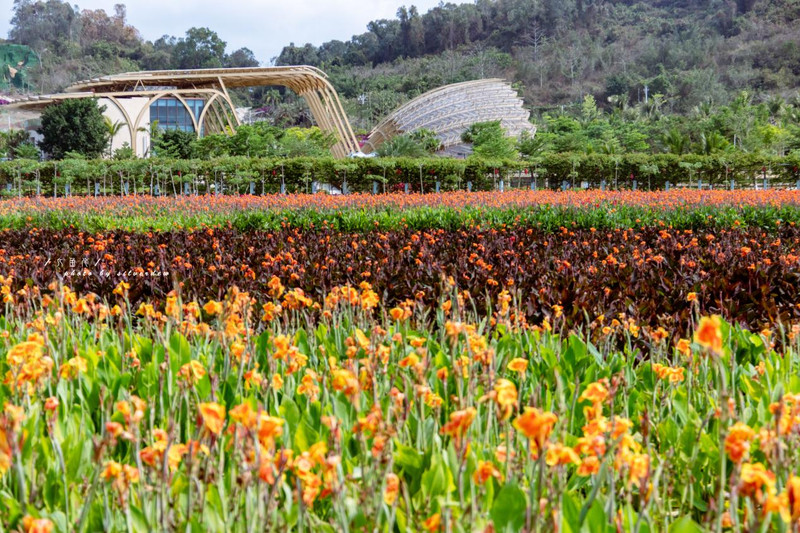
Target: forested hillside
[(605, 76), (559, 50)]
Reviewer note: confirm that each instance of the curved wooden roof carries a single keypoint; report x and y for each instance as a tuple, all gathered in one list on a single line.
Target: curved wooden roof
[(448, 111), (309, 82)]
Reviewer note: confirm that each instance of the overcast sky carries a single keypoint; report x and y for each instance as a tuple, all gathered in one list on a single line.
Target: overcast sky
[(264, 26)]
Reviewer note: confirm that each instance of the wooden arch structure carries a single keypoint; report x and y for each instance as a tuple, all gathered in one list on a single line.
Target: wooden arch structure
[(448, 111), (218, 114)]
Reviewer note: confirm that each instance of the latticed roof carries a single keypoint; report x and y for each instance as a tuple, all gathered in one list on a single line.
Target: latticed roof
[(299, 79), (448, 111), (309, 82)]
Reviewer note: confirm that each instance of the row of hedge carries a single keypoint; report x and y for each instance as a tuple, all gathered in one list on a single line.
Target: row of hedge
[(242, 175)]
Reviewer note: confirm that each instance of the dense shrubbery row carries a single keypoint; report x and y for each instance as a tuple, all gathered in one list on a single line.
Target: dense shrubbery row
[(236, 174), (748, 275)]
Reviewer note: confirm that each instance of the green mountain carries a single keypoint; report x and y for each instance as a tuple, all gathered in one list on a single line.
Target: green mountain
[(604, 76), (690, 52)]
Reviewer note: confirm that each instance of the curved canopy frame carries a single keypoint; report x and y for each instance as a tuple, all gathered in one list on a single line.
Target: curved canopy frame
[(448, 111), (309, 82)]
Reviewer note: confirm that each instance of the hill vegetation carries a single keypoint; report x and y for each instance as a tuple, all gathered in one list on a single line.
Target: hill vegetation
[(600, 76)]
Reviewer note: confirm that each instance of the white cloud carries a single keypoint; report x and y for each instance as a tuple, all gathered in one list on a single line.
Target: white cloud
[(264, 26)]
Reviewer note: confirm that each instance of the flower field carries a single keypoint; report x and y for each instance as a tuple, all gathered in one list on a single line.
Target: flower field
[(546, 209), (463, 363)]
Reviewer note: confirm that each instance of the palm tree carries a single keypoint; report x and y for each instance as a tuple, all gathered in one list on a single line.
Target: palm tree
[(401, 146), (112, 128), (776, 106), (711, 143), (675, 141)]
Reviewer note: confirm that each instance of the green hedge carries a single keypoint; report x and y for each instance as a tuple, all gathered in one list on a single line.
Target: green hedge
[(236, 174)]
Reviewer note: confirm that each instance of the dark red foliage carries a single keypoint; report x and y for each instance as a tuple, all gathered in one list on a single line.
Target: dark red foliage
[(747, 275)]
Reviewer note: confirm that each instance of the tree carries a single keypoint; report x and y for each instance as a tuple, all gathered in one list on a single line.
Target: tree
[(39, 24), (489, 141), (418, 143), (174, 144), (243, 57), (112, 128), (74, 125), (201, 48)]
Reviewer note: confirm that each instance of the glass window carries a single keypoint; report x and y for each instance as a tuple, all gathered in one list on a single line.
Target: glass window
[(172, 114)]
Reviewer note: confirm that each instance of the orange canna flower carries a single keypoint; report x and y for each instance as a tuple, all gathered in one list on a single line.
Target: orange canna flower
[(737, 442), (433, 523), (485, 471), (277, 382), (673, 374), (755, 481), (459, 423), (212, 308), (51, 404), (709, 334), (213, 415), (36, 525), (392, 489), (589, 466), (269, 427), (558, 454), (114, 429), (192, 372), (409, 360), (111, 470), (793, 498), (244, 415), (684, 347), (122, 288), (519, 365), (397, 313), (595, 393), (81, 307), (506, 397), (536, 425)]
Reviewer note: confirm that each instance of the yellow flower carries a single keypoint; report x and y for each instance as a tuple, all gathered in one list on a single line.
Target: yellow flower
[(111, 471), (212, 308), (755, 481), (122, 288), (192, 372), (73, 367), (519, 365), (506, 397)]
